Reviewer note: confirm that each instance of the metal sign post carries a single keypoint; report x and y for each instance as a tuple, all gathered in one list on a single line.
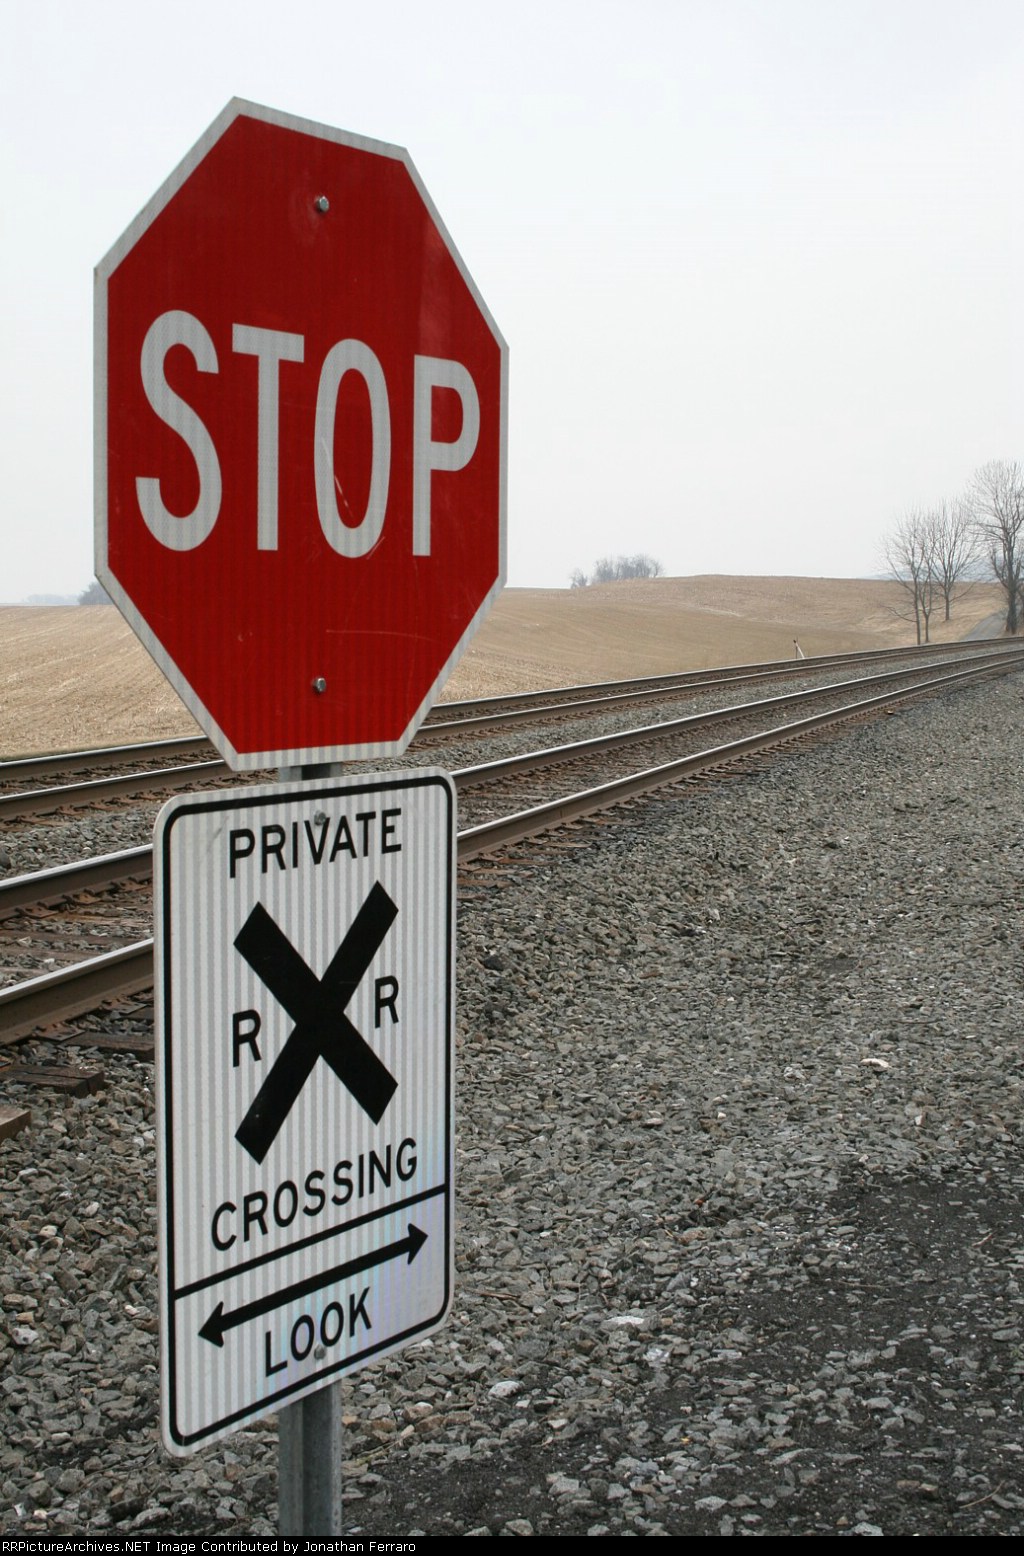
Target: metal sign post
[(310, 1434), (310, 1484)]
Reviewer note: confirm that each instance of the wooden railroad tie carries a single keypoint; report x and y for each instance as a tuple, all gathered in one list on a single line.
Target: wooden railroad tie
[(74, 1081), (13, 1121)]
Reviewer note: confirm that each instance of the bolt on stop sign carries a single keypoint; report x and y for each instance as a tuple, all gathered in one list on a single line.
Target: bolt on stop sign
[(301, 406)]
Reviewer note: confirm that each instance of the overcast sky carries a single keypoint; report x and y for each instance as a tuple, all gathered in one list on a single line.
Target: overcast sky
[(759, 262)]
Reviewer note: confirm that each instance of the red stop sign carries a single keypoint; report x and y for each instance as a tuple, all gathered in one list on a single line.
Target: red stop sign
[(300, 440)]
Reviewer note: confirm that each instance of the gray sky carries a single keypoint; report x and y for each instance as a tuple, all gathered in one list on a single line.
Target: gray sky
[(759, 262)]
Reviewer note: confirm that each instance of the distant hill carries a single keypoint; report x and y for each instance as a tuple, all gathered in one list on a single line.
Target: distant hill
[(49, 599), (539, 637)]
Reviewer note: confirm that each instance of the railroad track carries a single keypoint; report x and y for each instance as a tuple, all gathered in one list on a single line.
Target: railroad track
[(69, 991), (502, 779), (99, 777)]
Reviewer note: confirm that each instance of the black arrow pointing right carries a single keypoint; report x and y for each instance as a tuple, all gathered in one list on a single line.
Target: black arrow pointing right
[(219, 1321)]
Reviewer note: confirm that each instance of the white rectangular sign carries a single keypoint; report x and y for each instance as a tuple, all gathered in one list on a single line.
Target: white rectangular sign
[(305, 948)]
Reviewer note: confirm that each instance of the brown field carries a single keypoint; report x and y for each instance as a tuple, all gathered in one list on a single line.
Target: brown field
[(75, 676)]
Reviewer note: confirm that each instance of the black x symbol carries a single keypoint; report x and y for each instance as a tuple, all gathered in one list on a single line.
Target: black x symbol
[(317, 1006)]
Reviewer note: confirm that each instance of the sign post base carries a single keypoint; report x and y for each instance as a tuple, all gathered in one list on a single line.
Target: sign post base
[(309, 1457)]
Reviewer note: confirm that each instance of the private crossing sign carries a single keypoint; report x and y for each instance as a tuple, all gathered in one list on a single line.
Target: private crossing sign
[(304, 981)]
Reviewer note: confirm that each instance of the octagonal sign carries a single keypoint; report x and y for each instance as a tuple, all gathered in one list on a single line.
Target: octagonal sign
[(300, 440)]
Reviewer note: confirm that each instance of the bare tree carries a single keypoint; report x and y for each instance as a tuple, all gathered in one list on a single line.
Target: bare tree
[(954, 545), (909, 556), (94, 594), (610, 569), (639, 566), (996, 498)]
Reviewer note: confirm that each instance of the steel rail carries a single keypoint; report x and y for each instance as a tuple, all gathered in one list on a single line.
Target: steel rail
[(482, 711), (65, 880), (17, 769), (493, 835), (639, 692), (701, 680), (43, 802), (36, 802), (74, 990), (94, 874), (97, 873), (534, 760)]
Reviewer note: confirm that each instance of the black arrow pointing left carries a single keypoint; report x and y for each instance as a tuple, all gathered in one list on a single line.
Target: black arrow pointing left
[(219, 1321)]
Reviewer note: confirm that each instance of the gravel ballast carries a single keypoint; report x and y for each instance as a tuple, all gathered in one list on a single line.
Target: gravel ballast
[(739, 1190)]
